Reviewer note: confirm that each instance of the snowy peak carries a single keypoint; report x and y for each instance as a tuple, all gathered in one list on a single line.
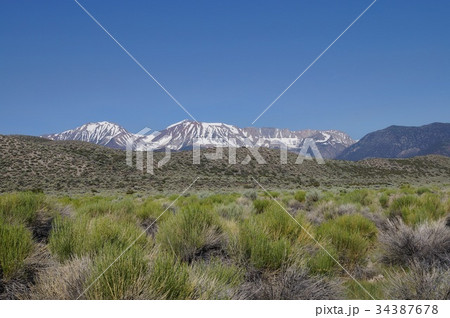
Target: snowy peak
[(183, 134), (101, 133)]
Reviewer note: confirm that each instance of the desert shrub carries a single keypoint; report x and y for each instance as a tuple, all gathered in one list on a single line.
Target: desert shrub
[(215, 280), (231, 211), (250, 194), (121, 277), (16, 246), (314, 182), (351, 235), (300, 196), (421, 281), (312, 197), (169, 278), (62, 281), (403, 244), (330, 210), (291, 283), (261, 205), (21, 207), (191, 232)]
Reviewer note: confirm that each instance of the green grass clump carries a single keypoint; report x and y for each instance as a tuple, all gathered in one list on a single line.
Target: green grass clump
[(90, 236), (406, 207), (416, 210), (62, 240), (321, 262), (423, 190), (351, 235), (103, 207), (432, 207), (375, 288), (272, 194), (169, 278), (384, 200), (261, 250), (189, 232), (124, 279), (16, 246), (260, 205), (150, 209), (21, 207), (300, 196), (266, 239), (360, 196), (277, 224)]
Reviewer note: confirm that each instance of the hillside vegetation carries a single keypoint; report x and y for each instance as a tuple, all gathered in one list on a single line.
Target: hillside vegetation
[(32, 163)]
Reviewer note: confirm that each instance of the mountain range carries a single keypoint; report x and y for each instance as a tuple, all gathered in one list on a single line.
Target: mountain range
[(391, 142), (181, 135), (401, 142)]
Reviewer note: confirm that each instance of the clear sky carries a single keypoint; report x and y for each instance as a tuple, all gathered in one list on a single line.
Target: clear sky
[(225, 61)]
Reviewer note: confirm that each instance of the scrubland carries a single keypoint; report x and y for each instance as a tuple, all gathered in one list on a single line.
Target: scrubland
[(391, 243)]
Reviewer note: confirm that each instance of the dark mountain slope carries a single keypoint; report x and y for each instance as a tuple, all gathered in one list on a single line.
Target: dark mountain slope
[(401, 142)]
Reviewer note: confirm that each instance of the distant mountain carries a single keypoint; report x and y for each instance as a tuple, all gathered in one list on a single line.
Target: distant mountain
[(102, 133), (181, 135), (401, 142)]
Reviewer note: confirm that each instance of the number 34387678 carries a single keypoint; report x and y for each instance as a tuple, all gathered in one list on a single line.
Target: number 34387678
[(407, 309)]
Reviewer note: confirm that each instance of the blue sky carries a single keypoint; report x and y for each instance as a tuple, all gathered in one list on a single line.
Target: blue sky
[(225, 61)]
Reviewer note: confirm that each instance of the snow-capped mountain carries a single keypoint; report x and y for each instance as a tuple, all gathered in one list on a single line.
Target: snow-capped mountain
[(101, 133), (182, 135)]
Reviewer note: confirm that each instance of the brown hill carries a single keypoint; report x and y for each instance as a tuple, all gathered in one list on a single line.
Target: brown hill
[(37, 163)]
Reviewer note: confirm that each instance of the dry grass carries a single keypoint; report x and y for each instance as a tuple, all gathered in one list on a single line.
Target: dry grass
[(62, 281), (291, 283), (428, 242), (420, 281)]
